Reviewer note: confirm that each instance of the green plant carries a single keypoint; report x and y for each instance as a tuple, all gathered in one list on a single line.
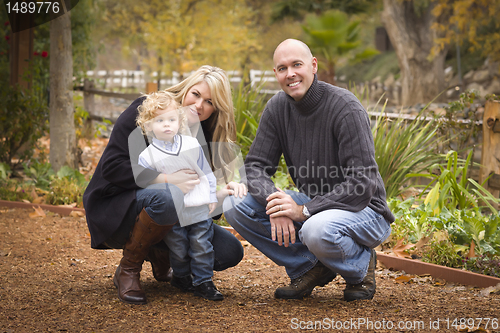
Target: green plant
[(451, 188), (67, 187), (248, 103), (23, 120), (39, 172), (487, 265), (331, 36), (441, 251), (403, 148)]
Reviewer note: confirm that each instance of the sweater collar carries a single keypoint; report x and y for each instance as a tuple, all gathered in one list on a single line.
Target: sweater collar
[(311, 99)]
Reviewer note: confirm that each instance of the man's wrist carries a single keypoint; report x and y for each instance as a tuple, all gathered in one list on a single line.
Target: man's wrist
[(305, 212)]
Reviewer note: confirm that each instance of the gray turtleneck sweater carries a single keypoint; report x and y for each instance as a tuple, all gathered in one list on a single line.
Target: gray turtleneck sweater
[(327, 144)]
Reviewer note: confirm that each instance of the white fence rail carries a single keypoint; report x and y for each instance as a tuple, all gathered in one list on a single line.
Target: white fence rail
[(123, 79)]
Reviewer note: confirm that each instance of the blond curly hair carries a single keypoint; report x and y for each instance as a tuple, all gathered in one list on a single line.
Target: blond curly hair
[(159, 100)]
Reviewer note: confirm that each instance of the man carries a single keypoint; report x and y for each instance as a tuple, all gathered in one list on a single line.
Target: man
[(341, 212)]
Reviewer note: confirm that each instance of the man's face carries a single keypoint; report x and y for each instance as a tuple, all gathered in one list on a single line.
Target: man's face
[(294, 68)]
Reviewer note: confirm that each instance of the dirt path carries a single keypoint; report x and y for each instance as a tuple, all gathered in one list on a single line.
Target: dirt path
[(52, 281)]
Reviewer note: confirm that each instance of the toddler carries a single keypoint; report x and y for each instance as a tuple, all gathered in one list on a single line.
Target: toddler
[(190, 241)]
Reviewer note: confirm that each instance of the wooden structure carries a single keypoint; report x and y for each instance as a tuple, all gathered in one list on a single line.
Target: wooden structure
[(490, 157)]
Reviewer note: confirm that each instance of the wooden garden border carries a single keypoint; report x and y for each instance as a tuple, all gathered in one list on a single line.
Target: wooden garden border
[(401, 264)]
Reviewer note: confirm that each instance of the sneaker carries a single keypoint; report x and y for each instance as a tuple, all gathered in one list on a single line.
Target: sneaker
[(209, 291), (365, 289), (303, 286), (185, 283)]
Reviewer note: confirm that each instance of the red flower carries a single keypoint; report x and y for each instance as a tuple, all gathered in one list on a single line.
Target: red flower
[(45, 54), (7, 37), (6, 23), (36, 53)]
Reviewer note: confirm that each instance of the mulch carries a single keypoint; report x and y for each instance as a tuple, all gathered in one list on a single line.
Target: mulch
[(52, 281)]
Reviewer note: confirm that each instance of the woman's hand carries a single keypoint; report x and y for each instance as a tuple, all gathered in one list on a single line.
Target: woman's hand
[(232, 188), (185, 179)]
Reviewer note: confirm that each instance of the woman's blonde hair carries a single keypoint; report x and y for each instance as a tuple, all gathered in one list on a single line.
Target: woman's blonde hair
[(220, 125), (159, 100)]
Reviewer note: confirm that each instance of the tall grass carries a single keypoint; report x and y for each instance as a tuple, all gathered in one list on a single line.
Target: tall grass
[(249, 104)]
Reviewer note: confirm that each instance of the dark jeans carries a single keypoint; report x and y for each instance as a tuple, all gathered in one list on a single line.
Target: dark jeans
[(158, 202)]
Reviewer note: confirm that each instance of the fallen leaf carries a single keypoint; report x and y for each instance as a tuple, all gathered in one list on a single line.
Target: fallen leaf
[(472, 253), (399, 249), (490, 290), (76, 213), (37, 213), (26, 201), (39, 200), (404, 278)]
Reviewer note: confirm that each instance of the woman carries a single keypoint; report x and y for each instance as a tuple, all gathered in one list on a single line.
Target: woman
[(122, 213)]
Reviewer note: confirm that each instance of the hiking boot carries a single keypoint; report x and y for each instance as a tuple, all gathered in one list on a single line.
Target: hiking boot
[(185, 283), (209, 291), (365, 289), (303, 286)]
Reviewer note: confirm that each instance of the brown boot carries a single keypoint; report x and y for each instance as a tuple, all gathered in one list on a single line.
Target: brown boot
[(160, 263), (145, 233)]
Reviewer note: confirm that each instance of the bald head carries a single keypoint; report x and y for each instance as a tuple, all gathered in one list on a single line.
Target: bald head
[(289, 44), (294, 67)]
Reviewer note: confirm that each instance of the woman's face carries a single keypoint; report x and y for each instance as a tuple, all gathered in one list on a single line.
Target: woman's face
[(199, 102)]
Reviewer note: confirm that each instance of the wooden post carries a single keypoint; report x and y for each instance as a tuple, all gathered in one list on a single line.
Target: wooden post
[(490, 156), (151, 87), (20, 55), (89, 106)]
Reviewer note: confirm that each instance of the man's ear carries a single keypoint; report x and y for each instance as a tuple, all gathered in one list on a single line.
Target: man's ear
[(315, 65)]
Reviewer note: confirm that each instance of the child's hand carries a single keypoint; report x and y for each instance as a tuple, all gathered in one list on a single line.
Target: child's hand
[(212, 206)]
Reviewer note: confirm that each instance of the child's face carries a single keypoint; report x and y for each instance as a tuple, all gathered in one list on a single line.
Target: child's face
[(165, 125)]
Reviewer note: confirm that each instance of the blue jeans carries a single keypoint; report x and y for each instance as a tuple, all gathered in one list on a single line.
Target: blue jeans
[(191, 250), (159, 204), (341, 240)]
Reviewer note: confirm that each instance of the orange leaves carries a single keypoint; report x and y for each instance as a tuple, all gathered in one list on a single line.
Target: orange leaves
[(400, 249), (37, 213)]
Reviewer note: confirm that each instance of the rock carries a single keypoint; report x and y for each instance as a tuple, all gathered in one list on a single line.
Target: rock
[(389, 81), (481, 75), (477, 87), (493, 87), (469, 75)]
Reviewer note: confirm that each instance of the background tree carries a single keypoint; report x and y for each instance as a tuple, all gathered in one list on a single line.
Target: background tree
[(472, 21), (331, 36), (62, 126), (408, 24), (186, 34)]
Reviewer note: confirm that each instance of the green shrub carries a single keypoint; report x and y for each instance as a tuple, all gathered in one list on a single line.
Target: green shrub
[(23, 120)]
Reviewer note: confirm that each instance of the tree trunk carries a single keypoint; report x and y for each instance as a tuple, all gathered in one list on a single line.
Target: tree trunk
[(62, 125), (412, 37)]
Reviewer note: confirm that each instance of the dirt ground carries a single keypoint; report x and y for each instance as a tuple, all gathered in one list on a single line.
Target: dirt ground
[(52, 281)]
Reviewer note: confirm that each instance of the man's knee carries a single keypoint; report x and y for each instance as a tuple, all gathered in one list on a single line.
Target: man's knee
[(313, 235)]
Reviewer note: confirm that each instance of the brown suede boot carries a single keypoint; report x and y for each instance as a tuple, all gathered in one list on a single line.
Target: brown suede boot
[(160, 263), (145, 233)]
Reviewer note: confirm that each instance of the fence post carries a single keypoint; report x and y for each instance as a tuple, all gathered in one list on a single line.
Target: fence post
[(88, 105), (490, 154)]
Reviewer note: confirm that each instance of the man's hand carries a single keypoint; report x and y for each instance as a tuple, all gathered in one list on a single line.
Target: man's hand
[(282, 228), (280, 204)]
